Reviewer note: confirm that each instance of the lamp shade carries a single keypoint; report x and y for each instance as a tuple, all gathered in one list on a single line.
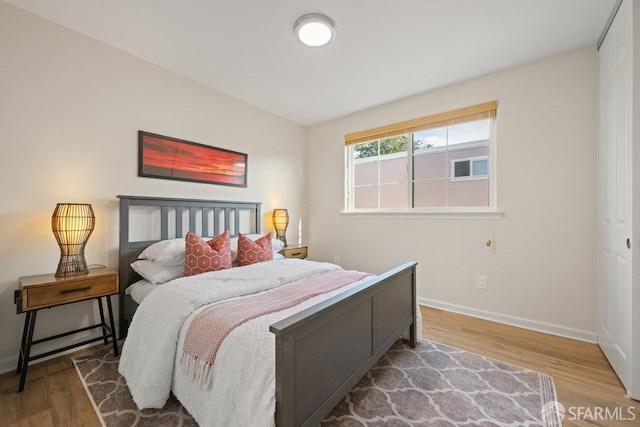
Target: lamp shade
[(72, 224), (280, 223)]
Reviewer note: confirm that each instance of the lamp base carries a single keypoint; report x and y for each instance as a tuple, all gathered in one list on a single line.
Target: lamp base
[(71, 265), (282, 238)]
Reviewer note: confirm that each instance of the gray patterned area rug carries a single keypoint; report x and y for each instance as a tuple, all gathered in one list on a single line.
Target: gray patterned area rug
[(433, 384)]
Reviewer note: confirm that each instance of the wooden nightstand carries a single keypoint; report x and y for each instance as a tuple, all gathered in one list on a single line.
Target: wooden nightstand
[(294, 251), (47, 291)]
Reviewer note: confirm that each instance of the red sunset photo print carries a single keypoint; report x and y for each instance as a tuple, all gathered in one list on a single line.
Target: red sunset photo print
[(171, 158)]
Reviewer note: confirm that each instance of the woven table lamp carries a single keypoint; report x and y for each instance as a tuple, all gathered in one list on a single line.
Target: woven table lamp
[(280, 223), (72, 224)]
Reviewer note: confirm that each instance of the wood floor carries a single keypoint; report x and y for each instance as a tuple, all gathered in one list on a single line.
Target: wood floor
[(54, 395), (581, 373)]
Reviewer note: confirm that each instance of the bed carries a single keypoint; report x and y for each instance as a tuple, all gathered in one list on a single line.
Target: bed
[(321, 351)]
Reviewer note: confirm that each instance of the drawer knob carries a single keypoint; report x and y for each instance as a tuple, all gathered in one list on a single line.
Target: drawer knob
[(69, 291)]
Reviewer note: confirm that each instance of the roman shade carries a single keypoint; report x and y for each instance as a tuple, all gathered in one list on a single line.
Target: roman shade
[(461, 115)]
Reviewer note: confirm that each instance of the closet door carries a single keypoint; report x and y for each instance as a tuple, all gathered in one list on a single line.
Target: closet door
[(616, 244)]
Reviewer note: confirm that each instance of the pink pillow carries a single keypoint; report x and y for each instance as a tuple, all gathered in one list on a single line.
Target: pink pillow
[(201, 256), (253, 251)]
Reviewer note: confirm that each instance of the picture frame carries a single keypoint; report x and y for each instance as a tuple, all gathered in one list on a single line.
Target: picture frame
[(165, 157)]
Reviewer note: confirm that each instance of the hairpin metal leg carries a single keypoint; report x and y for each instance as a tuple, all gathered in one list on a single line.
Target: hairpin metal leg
[(113, 327), (26, 349), (104, 329), (24, 341)]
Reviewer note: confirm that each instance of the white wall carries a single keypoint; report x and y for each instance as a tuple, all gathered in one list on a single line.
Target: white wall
[(541, 271), (70, 110)]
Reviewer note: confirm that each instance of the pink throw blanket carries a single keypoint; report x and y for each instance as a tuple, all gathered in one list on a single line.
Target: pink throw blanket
[(211, 326)]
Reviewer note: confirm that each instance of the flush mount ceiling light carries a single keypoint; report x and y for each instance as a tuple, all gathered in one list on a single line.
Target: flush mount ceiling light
[(314, 29)]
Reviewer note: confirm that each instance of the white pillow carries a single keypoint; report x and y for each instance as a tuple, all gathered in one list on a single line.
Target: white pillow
[(277, 245), (157, 273), (166, 252)]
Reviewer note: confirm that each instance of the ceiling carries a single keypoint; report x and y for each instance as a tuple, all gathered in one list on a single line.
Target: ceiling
[(384, 50)]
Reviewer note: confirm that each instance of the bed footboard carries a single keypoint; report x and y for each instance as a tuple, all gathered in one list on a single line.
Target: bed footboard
[(322, 352)]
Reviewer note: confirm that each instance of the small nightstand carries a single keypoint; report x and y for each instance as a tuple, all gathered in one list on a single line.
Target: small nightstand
[(47, 291), (294, 251)]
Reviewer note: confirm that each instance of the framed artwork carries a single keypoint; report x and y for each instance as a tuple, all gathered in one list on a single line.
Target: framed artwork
[(171, 158)]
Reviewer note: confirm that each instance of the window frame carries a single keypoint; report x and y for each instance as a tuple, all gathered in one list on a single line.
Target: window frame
[(491, 211)]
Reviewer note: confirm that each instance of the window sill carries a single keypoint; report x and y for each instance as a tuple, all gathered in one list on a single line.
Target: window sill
[(483, 214)]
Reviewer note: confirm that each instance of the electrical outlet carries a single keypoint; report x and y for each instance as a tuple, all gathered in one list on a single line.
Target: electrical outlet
[(481, 282)]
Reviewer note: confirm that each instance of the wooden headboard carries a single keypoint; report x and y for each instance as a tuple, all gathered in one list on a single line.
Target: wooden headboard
[(173, 217)]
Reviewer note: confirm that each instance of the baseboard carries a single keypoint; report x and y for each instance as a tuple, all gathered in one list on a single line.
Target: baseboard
[(547, 328), (9, 364)]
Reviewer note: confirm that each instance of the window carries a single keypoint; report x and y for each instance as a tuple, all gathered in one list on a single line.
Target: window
[(439, 162), (476, 168)]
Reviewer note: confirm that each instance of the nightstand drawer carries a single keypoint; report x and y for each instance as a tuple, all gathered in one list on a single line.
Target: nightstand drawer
[(294, 252), (52, 294)]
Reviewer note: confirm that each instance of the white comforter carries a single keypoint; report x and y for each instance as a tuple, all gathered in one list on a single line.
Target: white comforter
[(149, 352)]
